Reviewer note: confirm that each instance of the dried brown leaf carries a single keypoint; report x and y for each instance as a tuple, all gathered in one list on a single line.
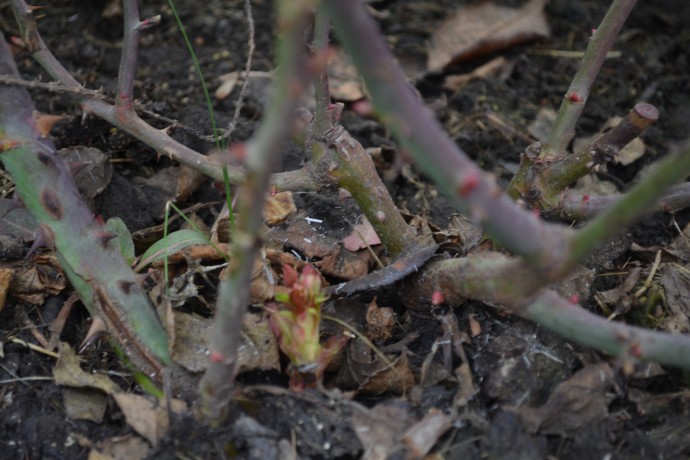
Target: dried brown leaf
[(380, 322), (363, 235), (343, 78), (84, 404), (475, 30), (68, 372), (581, 400), (380, 429), (278, 207), (126, 447), (422, 436), (147, 416), (6, 275)]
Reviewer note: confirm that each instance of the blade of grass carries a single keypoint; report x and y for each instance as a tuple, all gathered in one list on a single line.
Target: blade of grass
[(219, 140)]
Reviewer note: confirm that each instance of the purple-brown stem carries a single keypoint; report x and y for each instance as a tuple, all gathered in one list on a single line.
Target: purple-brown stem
[(155, 138), (263, 152)]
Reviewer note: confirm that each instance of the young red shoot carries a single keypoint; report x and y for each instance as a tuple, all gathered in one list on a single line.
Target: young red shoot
[(295, 321)]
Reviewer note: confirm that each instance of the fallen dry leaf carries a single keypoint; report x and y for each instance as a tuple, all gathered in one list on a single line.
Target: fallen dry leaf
[(120, 448), (581, 400), (366, 371), (422, 436), (258, 349), (363, 235), (68, 372), (490, 69), (343, 79), (475, 30), (380, 322), (84, 404), (380, 428), (147, 416), (36, 278), (278, 207), (5, 279)]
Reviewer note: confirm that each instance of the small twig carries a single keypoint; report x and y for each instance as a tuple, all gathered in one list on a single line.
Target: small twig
[(650, 276), (581, 206), (247, 70), (34, 347), (35, 378), (132, 124), (574, 101), (322, 120), (575, 323), (263, 151), (630, 207), (59, 322)]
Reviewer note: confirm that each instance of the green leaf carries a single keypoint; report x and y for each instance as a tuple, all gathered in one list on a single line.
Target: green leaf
[(124, 238), (173, 243)]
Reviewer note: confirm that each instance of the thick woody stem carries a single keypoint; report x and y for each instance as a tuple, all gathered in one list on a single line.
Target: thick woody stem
[(263, 152), (423, 138), (542, 183)]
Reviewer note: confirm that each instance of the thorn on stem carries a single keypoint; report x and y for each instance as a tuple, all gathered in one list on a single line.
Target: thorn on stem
[(105, 237), (636, 350), (125, 286), (468, 183), (148, 23), (51, 203), (574, 98), (216, 357)]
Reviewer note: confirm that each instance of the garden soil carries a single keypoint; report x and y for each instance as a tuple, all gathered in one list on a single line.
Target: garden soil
[(469, 383)]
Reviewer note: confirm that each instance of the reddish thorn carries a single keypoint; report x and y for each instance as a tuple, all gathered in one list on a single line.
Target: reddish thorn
[(363, 108), (536, 212), (99, 220), (274, 190), (216, 357), (105, 237), (468, 183), (636, 351), (585, 198), (574, 97), (238, 151), (437, 298), (574, 299)]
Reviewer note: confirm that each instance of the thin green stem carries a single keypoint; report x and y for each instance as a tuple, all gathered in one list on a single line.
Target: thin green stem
[(629, 207), (574, 101)]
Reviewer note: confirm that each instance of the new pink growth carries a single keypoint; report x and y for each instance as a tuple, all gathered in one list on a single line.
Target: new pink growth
[(295, 322)]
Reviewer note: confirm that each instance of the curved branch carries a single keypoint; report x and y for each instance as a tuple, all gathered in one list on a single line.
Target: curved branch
[(132, 124)]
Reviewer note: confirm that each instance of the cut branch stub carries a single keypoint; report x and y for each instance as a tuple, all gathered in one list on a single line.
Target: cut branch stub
[(541, 183)]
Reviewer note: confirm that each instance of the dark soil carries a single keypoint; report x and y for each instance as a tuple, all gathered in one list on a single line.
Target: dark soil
[(514, 363)]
